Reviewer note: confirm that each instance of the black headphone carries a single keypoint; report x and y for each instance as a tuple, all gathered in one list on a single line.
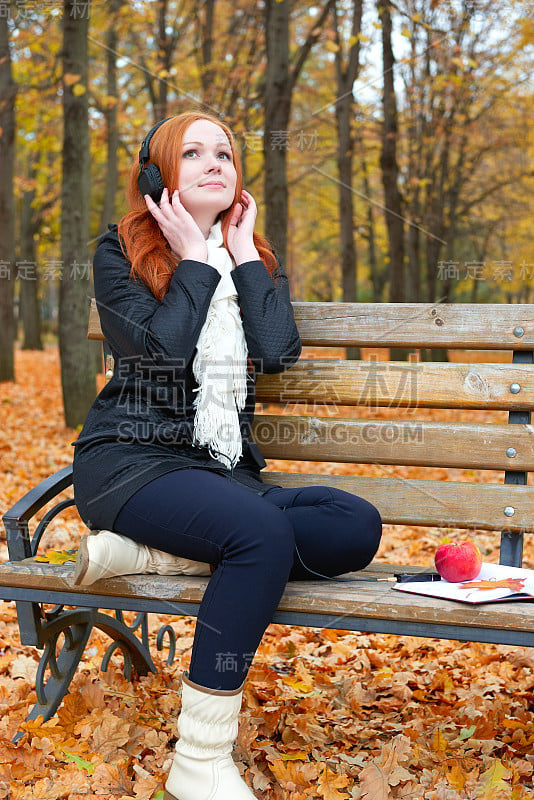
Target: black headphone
[(150, 180)]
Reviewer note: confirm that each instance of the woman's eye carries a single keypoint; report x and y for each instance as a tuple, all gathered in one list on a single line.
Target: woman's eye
[(224, 154), (190, 153)]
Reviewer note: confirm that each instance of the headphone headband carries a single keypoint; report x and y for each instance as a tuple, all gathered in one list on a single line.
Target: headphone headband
[(144, 153)]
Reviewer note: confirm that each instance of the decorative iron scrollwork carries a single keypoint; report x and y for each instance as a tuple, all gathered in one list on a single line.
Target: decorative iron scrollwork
[(167, 630)]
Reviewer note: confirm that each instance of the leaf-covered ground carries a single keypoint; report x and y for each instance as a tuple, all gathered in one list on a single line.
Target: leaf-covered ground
[(327, 714)]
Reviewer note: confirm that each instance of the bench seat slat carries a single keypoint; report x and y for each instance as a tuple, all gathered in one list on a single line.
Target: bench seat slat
[(401, 384), (452, 325), (423, 444), (410, 501), (356, 600)]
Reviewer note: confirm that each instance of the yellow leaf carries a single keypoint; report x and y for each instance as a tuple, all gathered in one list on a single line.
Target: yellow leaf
[(439, 742), (69, 78), (56, 557), (41, 729), (296, 755), (332, 47), (457, 778), (61, 556), (492, 784), (78, 90), (329, 783), (299, 686)]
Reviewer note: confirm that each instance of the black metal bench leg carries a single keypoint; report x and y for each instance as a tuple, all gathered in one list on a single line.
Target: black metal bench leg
[(76, 627)]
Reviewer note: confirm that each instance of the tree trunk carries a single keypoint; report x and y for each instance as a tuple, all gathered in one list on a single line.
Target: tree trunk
[(207, 69), (8, 92), (110, 112), (164, 64), (77, 362), (279, 84), (29, 279), (346, 74), (277, 109), (388, 162), (378, 277)]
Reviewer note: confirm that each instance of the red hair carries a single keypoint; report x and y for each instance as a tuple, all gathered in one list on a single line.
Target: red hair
[(141, 239)]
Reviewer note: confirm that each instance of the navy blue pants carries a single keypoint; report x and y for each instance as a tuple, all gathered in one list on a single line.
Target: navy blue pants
[(257, 543)]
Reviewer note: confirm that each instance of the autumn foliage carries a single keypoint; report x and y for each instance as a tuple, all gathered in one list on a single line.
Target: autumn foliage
[(327, 714)]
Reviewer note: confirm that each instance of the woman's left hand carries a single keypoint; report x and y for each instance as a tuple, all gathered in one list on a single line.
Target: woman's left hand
[(242, 221)]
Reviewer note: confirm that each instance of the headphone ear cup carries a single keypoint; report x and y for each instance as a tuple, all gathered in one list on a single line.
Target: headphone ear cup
[(150, 182)]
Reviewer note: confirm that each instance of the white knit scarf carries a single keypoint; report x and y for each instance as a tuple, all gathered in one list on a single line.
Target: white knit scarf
[(220, 364)]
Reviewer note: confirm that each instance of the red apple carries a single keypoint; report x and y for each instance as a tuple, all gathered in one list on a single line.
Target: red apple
[(458, 562)]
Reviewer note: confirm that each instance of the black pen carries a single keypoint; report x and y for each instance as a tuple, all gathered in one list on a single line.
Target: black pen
[(407, 577)]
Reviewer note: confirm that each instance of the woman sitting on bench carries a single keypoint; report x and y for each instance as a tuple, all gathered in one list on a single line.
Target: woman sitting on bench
[(192, 303)]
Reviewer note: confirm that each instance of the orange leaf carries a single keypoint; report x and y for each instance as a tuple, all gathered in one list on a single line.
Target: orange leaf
[(515, 584), (287, 773), (72, 710), (69, 79), (457, 777)]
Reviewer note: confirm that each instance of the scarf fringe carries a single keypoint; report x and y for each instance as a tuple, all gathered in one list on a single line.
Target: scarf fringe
[(220, 365)]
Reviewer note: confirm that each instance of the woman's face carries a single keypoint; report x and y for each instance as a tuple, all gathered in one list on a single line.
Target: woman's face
[(207, 179)]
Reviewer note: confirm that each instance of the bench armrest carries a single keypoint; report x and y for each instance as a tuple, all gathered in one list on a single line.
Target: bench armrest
[(17, 517)]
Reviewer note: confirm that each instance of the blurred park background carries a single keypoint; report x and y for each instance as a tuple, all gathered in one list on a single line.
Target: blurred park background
[(388, 145), (389, 148)]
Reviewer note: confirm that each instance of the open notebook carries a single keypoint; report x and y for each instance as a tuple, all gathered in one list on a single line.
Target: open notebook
[(494, 583)]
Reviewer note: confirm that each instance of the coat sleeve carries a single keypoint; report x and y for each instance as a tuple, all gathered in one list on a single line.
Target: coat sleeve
[(271, 333), (135, 323)]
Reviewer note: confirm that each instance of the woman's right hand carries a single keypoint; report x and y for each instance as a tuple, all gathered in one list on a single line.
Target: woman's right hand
[(178, 226)]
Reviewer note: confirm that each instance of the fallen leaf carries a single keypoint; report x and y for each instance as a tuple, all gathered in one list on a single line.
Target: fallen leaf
[(111, 778), (514, 584), (88, 766), (329, 784), (56, 557), (374, 783), (492, 784), (24, 667)]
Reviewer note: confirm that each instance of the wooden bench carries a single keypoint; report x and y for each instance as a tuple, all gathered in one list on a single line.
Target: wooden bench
[(311, 414)]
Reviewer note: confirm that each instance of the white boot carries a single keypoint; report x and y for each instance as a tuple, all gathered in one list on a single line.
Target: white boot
[(104, 554), (203, 768)]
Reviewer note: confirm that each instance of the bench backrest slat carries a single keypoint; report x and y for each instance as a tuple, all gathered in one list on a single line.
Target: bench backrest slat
[(451, 325), (401, 384), (454, 325), (411, 443), (413, 501)]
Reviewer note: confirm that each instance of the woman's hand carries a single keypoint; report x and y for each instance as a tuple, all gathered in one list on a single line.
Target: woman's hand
[(178, 226), (242, 221)]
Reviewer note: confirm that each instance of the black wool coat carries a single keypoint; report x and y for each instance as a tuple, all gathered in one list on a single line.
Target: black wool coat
[(141, 423)]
